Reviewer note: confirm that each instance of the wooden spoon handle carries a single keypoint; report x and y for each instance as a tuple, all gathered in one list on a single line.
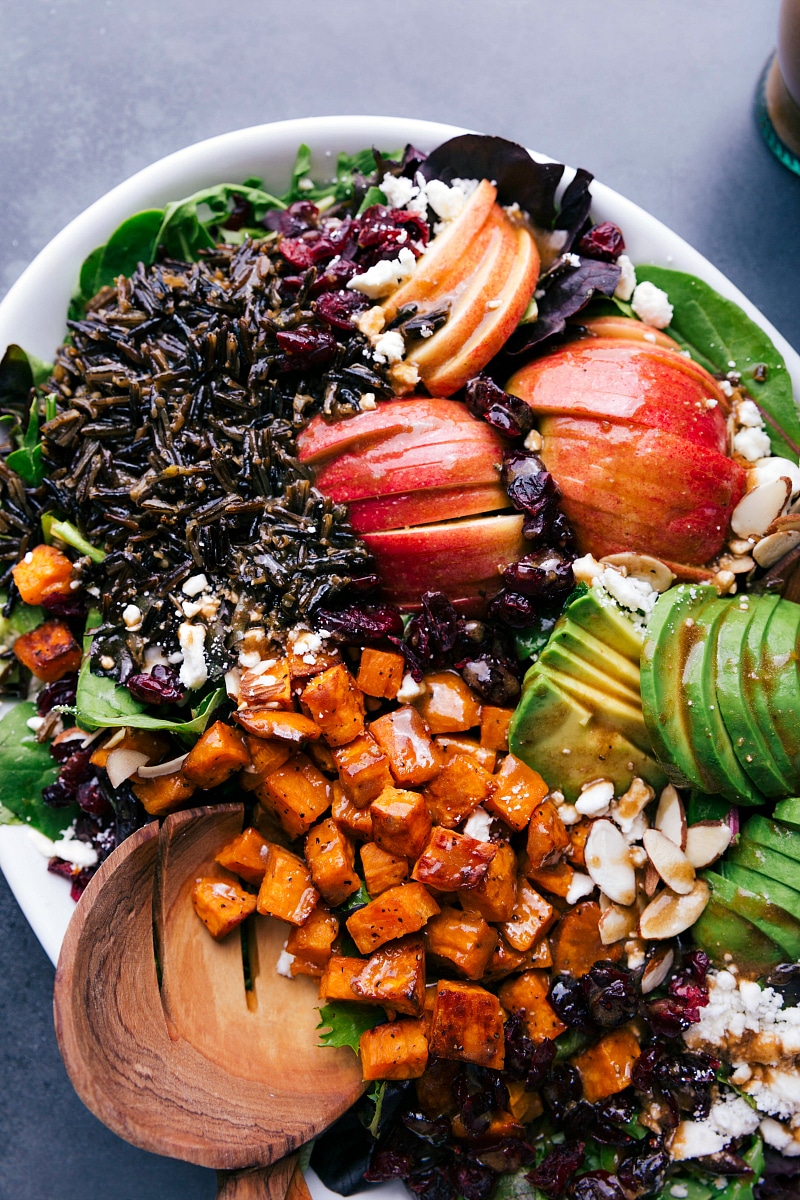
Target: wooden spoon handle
[(283, 1180)]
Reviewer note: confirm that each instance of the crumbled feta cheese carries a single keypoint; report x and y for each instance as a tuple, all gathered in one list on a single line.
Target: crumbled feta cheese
[(389, 347), (572, 260), (773, 467), (627, 590), (569, 814), (194, 669), (132, 617), (479, 825), (586, 569), (304, 641), (580, 885), (67, 847), (533, 441), (751, 443), (747, 413), (726, 387), (775, 1134), (194, 585), (368, 403), (730, 1117), (410, 690), (384, 276), (284, 963), (398, 190), (595, 798), (652, 305), (448, 201), (627, 279)]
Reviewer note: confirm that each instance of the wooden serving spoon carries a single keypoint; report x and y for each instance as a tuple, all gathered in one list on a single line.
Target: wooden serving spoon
[(164, 1039)]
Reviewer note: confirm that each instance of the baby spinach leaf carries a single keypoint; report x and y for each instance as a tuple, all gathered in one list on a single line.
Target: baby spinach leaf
[(134, 241), (101, 704), (342, 1024), (26, 767), (191, 225), (716, 332), (26, 460)]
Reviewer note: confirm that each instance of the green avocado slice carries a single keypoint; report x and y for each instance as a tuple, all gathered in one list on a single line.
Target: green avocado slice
[(780, 926), (774, 836), (762, 679), (764, 861), (707, 731), (599, 663), (749, 744), (788, 811), (600, 616), (771, 889), (618, 714), (726, 936)]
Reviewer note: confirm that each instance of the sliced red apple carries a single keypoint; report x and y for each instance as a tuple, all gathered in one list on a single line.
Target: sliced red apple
[(424, 507), (628, 329)]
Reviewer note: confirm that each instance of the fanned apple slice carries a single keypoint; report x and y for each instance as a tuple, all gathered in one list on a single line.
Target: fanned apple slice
[(425, 507)]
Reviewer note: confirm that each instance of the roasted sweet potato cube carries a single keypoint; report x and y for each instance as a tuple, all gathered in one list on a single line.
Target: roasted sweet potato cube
[(453, 860), (506, 960), (607, 1067), (320, 753), (467, 1025), (500, 1125), (286, 891), (50, 652), (404, 738), (291, 727), (381, 869), (394, 976), (246, 856), (302, 966), (265, 756), (547, 836), (336, 705), (337, 976), (461, 940), (215, 756), (331, 859), (381, 673), (355, 822), (164, 794), (298, 793), (270, 685), (556, 879), (396, 1050), (144, 741), (43, 574), (313, 940), (221, 905), (495, 896), (401, 822), (397, 911), (363, 769), (457, 790), (494, 727), (524, 1105), (451, 744), (530, 920), (575, 854), (527, 993), (449, 705), (576, 940), (519, 790)]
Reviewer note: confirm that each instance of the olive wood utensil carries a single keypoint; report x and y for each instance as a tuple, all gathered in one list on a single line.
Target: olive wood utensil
[(160, 1035)]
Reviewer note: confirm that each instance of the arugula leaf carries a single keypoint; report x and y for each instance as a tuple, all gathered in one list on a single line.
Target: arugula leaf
[(353, 902), (22, 619), (27, 459), (716, 332), (376, 1095), (26, 767), (191, 225), (517, 1186), (53, 526), (373, 195), (702, 807), (342, 1024)]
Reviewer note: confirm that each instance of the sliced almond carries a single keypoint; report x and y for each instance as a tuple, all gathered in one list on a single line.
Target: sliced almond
[(121, 764), (166, 768), (651, 879), (671, 816), (631, 804), (616, 923), (595, 797), (706, 842), (657, 969), (773, 547), (757, 509), (642, 566), (670, 861), (669, 914), (788, 522), (609, 864)]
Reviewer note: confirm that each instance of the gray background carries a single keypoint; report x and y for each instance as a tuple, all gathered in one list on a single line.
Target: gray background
[(653, 96)]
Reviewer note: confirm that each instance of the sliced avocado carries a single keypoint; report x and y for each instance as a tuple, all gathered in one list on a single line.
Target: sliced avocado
[(614, 672), (751, 675), (778, 683), (775, 922), (749, 744), (774, 836), (599, 615), (709, 736), (568, 743), (777, 893), (766, 862), (788, 811), (702, 807), (618, 714), (727, 936)]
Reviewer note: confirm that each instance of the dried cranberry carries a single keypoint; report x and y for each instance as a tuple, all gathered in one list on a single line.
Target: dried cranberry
[(555, 1171), (612, 1115), (160, 686), (306, 348), (384, 232), (724, 1162), (507, 414), (562, 1089), (58, 795), (240, 215), (698, 963), (504, 1154), (473, 1180), (604, 241), (434, 1184), (667, 1018), (360, 625), (91, 799), (71, 607), (79, 881), (492, 679), (433, 1130), (611, 995), (568, 997), (61, 751), (545, 575), (58, 693), (76, 769), (644, 1172), (597, 1185), (433, 633), (527, 481), (308, 250), (579, 1121), (688, 1079), (513, 609), (339, 308), (295, 219)]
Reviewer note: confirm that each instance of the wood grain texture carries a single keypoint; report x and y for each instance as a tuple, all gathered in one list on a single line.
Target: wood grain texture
[(203, 1076), (283, 1179)]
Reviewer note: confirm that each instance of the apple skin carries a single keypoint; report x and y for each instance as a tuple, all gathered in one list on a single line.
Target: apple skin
[(627, 328), (422, 508)]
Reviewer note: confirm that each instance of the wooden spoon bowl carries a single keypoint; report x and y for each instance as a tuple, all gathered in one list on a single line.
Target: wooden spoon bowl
[(165, 1038)]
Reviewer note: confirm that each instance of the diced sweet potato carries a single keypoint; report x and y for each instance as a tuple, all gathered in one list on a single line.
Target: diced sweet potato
[(355, 822), (527, 993), (267, 685), (298, 793), (331, 859), (336, 705), (452, 860), (467, 1025), (457, 790), (404, 738), (495, 896), (401, 822), (221, 905), (363, 769), (576, 940), (302, 966), (381, 673), (381, 869), (524, 1105), (461, 940), (286, 891), (451, 744), (397, 1050), (506, 960), (397, 911), (43, 574), (265, 756), (215, 756), (290, 727), (320, 753), (500, 1124), (337, 977), (246, 856), (394, 976), (144, 741), (49, 652), (449, 705), (556, 879), (530, 920), (312, 941), (607, 1067), (547, 836), (494, 727), (519, 790), (164, 794), (578, 834)]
